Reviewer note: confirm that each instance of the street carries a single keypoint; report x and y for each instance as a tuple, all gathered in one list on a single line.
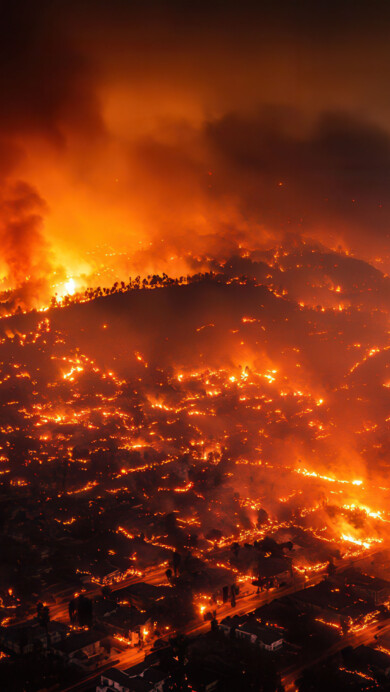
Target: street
[(354, 640)]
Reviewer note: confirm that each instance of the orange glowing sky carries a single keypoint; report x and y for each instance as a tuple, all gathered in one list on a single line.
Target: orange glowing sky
[(156, 133)]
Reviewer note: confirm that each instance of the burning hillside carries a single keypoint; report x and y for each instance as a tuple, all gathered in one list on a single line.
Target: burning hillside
[(247, 401)]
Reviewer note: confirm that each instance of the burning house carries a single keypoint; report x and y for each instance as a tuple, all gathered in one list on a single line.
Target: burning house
[(336, 606), (125, 623)]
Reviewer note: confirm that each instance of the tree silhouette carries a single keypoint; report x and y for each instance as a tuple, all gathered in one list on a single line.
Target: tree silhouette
[(43, 615)]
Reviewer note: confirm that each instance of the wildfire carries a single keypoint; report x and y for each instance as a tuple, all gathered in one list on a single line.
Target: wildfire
[(189, 449), (364, 543), (305, 569), (70, 374), (70, 287), (329, 623), (329, 479), (120, 529), (381, 648), (370, 513), (364, 676), (122, 639), (361, 623), (185, 488)]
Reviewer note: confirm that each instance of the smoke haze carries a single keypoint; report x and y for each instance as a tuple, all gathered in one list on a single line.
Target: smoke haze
[(159, 135)]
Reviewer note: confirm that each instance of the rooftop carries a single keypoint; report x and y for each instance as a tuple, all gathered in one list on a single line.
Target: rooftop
[(356, 578), (117, 675), (267, 635), (78, 640)]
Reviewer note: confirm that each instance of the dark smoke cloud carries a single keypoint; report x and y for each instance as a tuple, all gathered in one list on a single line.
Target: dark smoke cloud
[(45, 89), (24, 251), (332, 180), (45, 81)]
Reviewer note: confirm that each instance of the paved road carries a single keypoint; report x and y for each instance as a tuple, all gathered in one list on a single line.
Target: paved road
[(366, 636)]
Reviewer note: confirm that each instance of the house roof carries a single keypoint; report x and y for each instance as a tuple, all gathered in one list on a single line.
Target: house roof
[(372, 657), (272, 566), (144, 590), (118, 676), (139, 685), (323, 596), (365, 581), (103, 569), (250, 625), (104, 606), (126, 617), (154, 674), (78, 640), (267, 635), (32, 630)]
